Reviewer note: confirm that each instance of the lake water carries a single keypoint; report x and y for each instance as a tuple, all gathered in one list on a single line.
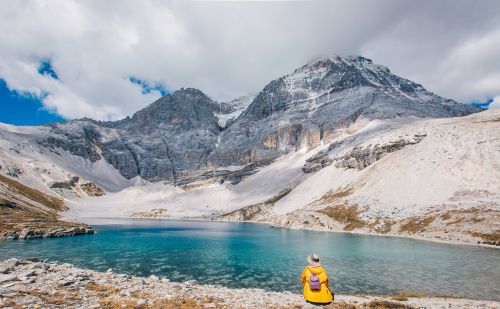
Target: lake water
[(244, 255)]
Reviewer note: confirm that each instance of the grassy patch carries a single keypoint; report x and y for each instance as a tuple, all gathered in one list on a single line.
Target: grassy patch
[(53, 202), (403, 296), (342, 305), (348, 215), (177, 302), (101, 290), (332, 195), (445, 216), (385, 304), (20, 208), (119, 304), (416, 224), (488, 238)]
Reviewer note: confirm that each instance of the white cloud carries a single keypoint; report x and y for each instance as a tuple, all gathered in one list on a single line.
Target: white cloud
[(230, 49)]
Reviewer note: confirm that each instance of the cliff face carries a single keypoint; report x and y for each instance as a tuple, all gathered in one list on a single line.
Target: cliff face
[(168, 140), (180, 138), (307, 107)]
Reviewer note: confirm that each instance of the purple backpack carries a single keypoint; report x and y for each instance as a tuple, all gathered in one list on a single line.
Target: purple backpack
[(314, 283)]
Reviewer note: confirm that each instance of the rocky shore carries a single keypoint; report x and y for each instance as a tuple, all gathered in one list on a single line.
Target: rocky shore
[(32, 283), (48, 233)]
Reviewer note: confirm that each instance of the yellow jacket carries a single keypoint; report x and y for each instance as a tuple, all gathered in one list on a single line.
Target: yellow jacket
[(321, 296)]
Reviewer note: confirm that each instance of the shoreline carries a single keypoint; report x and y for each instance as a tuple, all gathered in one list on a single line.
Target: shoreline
[(36, 283), (413, 237)]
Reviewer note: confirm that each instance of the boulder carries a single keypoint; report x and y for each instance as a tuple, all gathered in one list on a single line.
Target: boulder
[(7, 278), (8, 265), (11, 235)]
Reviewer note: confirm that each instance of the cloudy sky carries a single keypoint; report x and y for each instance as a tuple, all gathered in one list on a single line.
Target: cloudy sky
[(107, 59)]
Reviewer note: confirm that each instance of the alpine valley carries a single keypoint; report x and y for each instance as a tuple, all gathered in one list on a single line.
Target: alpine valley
[(339, 144)]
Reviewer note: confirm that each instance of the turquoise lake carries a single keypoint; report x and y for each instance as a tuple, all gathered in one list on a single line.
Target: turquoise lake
[(245, 255)]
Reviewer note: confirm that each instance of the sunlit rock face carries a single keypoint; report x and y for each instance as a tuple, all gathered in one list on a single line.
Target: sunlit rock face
[(186, 136)]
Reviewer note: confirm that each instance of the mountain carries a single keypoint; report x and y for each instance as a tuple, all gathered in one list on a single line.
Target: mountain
[(179, 138), (308, 106), (338, 144)]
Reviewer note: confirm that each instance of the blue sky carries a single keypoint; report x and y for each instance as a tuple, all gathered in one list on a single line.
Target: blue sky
[(25, 109), (22, 109)]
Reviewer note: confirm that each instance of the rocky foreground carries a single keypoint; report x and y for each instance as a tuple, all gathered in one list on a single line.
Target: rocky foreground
[(39, 284)]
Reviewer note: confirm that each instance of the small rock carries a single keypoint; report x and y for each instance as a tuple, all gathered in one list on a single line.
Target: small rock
[(109, 271), (7, 278), (33, 259), (164, 280), (8, 265), (153, 277), (141, 302), (68, 281), (191, 282), (11, 235), (26, 279), (28, 273)]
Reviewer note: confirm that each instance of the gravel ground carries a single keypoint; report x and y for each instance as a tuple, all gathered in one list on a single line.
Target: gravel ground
[(39, 284)]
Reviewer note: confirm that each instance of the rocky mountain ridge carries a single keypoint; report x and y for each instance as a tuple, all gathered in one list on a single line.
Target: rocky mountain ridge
[(179, 138)]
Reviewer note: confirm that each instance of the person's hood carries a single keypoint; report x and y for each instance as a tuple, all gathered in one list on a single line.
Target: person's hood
[(317, 270)]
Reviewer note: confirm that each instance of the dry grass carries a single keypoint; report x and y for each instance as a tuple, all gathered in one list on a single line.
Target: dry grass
[(101, 290), (403, 296), (332, 195), (333, 305), (488, 238), (59, 299), (23, 207), (341, 305), (56, 203), (416, 224), (11, 304), (141, 294), (178, 302), (345, 214), (445, 216), (384, 304), (119, 304)]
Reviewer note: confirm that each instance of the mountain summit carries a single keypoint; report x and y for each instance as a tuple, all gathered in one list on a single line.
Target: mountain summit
[(310, 104), (179, 137)]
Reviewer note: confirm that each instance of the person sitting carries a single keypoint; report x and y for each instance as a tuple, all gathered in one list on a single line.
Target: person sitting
[(315, 282)]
